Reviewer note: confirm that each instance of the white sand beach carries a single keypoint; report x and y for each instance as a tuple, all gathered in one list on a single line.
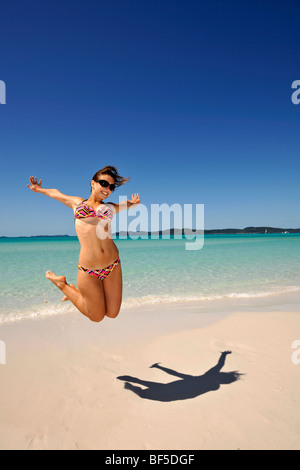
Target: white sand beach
[(69, 383)]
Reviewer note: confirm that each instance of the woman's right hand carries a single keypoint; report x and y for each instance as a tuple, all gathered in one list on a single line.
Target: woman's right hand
[(34, 185)]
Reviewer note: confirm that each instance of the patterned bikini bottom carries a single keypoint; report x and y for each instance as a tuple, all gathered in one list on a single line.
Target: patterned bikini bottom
[(100, 273)]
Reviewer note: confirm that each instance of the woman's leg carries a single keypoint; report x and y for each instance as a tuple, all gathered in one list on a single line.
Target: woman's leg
[(88, 298), (91, 289), (112, 286), (65, 298)]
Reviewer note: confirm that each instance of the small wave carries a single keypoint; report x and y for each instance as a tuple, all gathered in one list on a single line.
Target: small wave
[(147, 300), (35, 313), (164, 299)]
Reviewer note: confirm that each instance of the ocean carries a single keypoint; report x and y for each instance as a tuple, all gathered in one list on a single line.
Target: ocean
[(155, 271)]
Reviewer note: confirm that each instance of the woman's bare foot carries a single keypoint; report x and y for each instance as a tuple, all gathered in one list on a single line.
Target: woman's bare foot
[(59, 281), (65, 297)]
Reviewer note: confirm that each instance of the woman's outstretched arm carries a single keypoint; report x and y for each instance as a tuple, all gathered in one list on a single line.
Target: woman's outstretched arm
[(134, 201), (70, 201)]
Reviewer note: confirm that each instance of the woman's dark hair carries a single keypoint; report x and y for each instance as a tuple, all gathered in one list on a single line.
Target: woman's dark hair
[(113, 172)]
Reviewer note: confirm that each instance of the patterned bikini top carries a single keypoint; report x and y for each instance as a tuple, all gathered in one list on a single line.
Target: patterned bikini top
[(83, 211)]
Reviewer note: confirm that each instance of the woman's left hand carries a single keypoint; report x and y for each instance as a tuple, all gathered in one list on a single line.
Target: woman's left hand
[(135, 199)]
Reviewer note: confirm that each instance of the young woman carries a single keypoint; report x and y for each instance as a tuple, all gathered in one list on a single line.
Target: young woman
[(99, 279)]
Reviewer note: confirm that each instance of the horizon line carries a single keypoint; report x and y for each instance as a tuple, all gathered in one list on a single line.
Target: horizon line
[(183, 231)]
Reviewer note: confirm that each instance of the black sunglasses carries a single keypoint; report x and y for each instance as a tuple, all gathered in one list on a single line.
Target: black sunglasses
[(106, 184)]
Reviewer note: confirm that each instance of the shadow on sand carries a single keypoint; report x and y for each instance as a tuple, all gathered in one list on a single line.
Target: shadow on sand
[(189, 386)]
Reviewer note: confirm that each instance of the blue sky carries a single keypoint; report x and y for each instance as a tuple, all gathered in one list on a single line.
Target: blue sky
[(191, 99)]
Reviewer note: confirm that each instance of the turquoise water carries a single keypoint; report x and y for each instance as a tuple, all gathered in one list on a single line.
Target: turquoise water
[(154, 270)]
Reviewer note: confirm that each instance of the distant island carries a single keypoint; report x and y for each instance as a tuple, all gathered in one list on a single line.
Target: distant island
[(255, 230), (37, 236), (187, 231)]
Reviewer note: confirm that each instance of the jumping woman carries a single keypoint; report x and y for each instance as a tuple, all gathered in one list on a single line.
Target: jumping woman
[(99, 279)]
